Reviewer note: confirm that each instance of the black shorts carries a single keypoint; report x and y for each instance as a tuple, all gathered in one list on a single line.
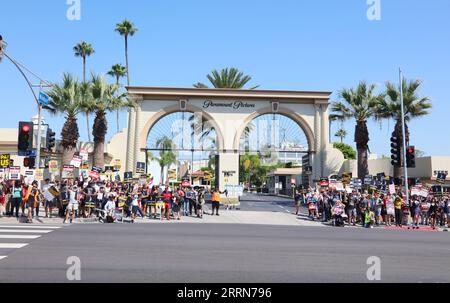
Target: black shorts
[(134, 209)]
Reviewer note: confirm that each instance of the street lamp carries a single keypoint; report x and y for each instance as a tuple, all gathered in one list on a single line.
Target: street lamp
[(42, 84)]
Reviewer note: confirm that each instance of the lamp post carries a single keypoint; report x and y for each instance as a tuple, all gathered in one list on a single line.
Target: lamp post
[(42, 84), (404, 137)]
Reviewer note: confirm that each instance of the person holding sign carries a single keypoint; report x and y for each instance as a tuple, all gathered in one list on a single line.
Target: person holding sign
[(398, 204), (32, 199)]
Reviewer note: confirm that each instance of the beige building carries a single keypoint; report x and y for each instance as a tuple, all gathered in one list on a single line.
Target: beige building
[(229, 112), (426, 168)]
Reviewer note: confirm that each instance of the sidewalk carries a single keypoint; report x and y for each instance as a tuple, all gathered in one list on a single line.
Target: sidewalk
[(226, 217)]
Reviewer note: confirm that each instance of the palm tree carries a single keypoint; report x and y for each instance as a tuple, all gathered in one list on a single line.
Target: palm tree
[(105, 98), (341, 133), (414, 106), (84, 50), (118, 71), (166, 156), (359, 104), (67, 99), (227, 78), (126, 29)]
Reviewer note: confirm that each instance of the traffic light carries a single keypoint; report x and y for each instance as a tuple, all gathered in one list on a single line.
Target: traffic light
[(396, 151), (25, 142), (411, 157), (51, 140), (29, 162)]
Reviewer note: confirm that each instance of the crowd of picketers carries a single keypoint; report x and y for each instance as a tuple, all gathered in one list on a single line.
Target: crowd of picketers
[(107, 201), (375, 209)]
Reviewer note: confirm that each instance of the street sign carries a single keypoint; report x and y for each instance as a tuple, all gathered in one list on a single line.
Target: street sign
[(5, 160), (43, 98)]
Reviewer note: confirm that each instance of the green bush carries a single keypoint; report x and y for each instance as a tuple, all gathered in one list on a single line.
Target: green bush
[(347, 150)]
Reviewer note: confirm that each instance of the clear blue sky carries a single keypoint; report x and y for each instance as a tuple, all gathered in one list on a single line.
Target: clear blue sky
[(295, 44)]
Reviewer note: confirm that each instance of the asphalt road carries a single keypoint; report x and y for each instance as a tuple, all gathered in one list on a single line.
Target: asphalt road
[(253, 202), (227, 253)]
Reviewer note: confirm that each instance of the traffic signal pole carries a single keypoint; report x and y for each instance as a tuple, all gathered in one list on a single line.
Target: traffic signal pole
[(404, 138), (38, 144)]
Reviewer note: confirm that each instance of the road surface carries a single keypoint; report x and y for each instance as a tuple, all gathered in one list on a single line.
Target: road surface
[(220, 253), (266, 203)]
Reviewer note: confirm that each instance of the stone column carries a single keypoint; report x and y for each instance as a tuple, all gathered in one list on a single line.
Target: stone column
[(317, 159), (325, 126), (137, 132), (130, 139)]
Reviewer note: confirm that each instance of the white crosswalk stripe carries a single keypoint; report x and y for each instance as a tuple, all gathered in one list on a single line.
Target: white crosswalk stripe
[(19, 236), (13, 245), (40, 231), (29, 226)]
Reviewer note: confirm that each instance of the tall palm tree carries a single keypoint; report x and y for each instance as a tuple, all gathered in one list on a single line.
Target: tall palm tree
[(414, 106), (359, 104), (84, 50), (105, 98), (341, 133), (118, 71), (126, 29), (66, 99), (166, 156), (227, 78)]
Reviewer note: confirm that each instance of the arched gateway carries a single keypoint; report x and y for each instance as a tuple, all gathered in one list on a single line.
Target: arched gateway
[(230, 112)]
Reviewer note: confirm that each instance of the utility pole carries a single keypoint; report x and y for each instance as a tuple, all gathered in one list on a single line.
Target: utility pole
[(21, 69), (404, 138)]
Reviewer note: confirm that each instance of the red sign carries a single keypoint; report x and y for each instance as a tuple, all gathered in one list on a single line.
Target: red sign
[(324, 182), (94, 174), (186, 183)]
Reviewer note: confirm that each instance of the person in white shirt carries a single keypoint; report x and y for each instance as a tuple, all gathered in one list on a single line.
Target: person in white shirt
[(109, 208), (73, 203)]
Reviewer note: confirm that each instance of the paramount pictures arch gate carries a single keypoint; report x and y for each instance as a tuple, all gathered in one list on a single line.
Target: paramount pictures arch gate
[(229, 112)]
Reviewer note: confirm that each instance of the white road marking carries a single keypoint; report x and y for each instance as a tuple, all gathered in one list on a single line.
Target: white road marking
[(13, 245), (3, 257), (19, 236), (42, 231), (29, 226)]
